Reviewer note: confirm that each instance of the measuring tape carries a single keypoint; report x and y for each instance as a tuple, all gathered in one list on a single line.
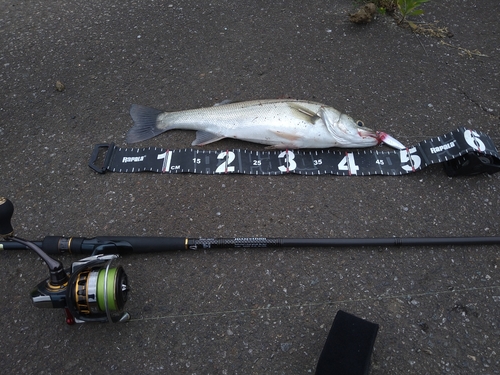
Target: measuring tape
[(463, 152)]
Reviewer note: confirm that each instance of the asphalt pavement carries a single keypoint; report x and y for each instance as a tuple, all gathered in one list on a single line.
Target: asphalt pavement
[(249, 311)]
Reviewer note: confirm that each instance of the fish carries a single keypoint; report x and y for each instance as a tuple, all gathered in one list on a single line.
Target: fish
[(277, 123)]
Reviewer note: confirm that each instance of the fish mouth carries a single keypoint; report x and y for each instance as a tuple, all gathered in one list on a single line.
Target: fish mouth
[(389, 141), (381, 137), (369, 137), (365, 133)]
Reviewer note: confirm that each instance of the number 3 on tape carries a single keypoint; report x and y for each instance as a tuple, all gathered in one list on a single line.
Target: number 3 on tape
[(290, 164)]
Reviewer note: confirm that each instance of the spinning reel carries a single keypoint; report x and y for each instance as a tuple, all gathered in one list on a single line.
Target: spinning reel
[(91, 290)]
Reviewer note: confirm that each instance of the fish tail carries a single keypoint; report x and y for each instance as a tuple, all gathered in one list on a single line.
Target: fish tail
[(145, 123)]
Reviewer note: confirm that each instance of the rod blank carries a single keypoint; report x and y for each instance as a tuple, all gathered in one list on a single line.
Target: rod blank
[(129, 244)]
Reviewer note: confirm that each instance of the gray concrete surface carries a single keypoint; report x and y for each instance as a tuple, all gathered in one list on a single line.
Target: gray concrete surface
[(248, 311)]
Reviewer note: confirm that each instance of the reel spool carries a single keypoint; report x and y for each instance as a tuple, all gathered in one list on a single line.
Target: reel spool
[(96, 290)]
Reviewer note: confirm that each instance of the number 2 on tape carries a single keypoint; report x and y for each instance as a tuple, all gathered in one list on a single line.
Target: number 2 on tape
[(228, 157)]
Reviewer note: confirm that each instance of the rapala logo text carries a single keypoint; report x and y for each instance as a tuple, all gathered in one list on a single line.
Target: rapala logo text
[(133, 159), (435, 150)]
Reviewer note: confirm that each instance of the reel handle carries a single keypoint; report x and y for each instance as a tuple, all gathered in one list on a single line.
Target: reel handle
[(6, 212), (58, 277)]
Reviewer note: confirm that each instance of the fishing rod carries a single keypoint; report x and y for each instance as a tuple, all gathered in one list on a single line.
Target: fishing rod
[(92, 291), (124, 245)]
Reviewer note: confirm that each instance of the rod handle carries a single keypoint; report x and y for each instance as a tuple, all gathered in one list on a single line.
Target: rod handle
[(112, 244)]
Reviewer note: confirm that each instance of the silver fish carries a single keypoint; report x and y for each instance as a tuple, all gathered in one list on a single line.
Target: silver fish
[(278, 123)]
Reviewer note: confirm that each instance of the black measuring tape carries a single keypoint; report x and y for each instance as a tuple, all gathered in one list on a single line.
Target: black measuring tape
[(463, 152)]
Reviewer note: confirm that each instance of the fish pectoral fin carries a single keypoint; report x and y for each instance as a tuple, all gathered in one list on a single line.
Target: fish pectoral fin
[(288, 136), (304, 113), (279, 146), (204, 138)]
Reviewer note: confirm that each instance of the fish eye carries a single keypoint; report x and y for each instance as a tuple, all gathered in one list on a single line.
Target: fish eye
[(360, 123)]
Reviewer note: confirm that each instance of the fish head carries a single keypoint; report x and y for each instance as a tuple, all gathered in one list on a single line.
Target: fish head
[(346, 131), (350, 133)]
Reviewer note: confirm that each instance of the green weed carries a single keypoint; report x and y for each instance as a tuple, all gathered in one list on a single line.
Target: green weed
[(401, 9), (406, 8), (410, 8)]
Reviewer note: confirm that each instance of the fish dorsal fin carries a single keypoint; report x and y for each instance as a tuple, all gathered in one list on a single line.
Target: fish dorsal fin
[(204, 138), (224, 102), (303, 113)]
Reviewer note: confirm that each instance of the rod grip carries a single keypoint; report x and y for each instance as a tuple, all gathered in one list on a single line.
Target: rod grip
[(50, 245)]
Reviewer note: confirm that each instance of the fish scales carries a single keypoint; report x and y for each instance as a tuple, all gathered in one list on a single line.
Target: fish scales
[(269, 122)]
